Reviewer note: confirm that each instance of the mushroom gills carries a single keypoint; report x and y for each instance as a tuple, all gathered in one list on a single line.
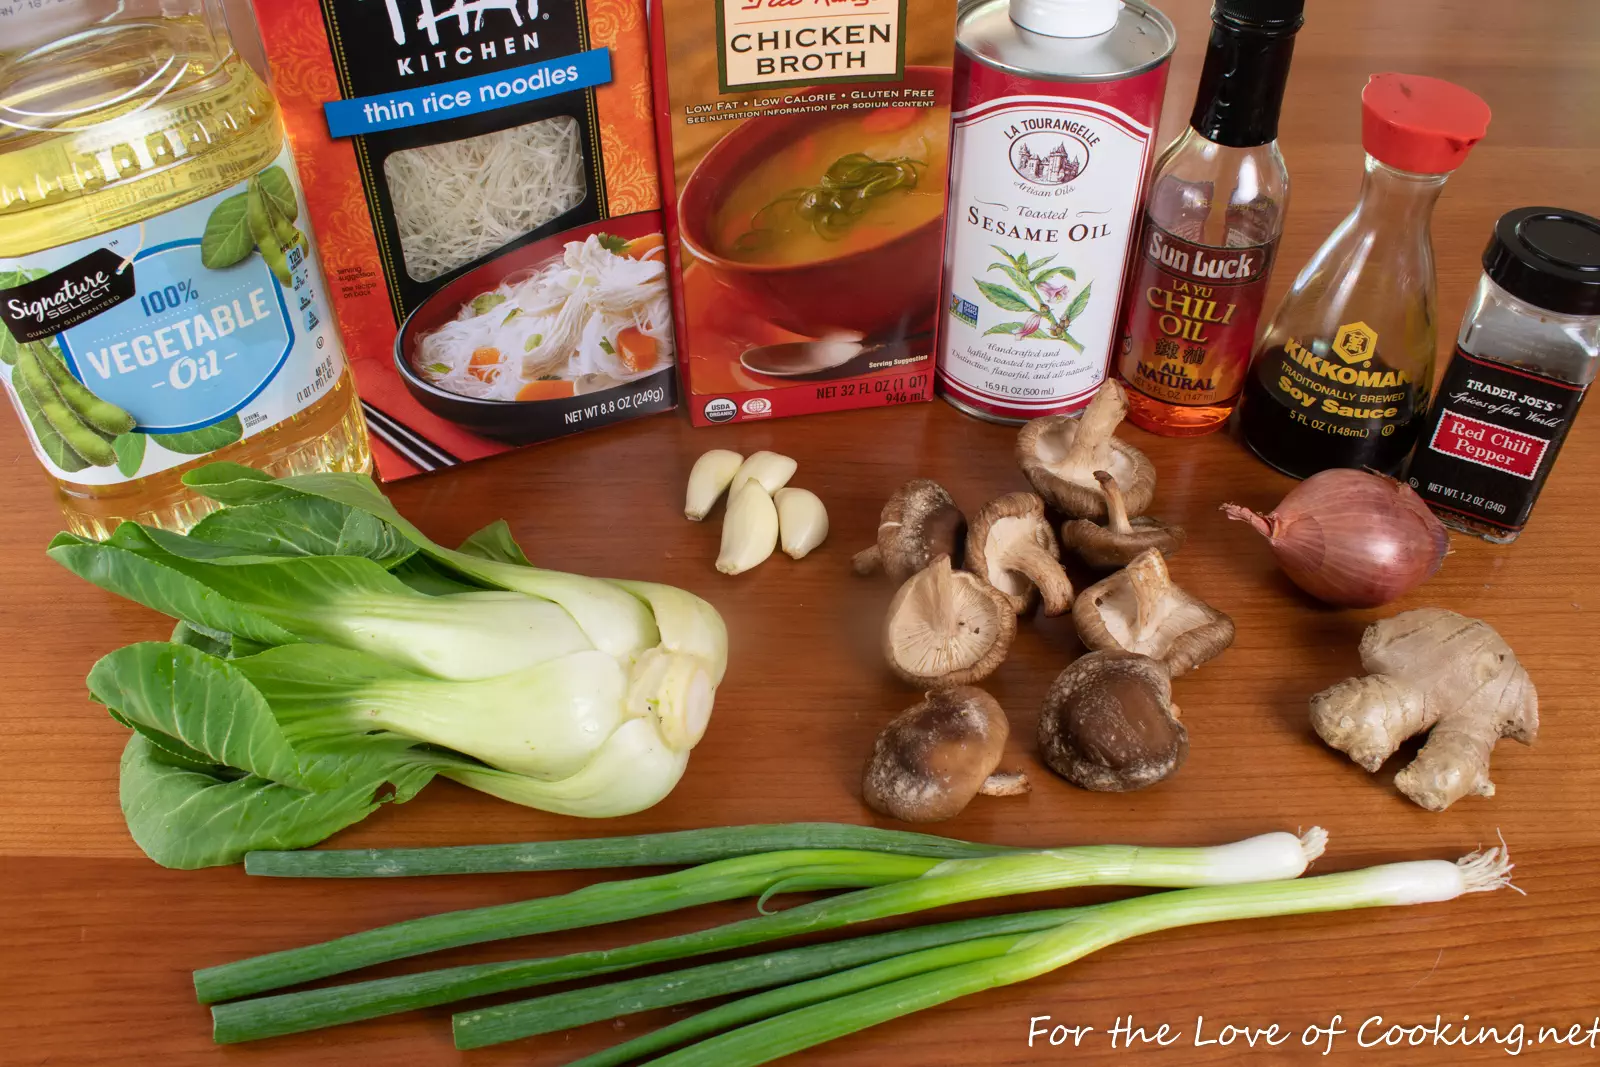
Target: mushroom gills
[(947, 627), (1011, 544), (1149, 624), (1015, 536), (1139, 609)]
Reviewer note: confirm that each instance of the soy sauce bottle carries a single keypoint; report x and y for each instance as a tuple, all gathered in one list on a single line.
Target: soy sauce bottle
[(1343, 372)]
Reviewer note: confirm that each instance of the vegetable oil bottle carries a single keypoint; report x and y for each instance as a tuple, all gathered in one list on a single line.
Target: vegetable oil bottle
[(161, 305)]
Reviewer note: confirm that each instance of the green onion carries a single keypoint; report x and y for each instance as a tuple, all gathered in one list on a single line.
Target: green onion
[(1260, 858), (289, 1013), (935, 883), (1421, 882), (800, 994), (791, 871), (564, 1011), (642, 850)]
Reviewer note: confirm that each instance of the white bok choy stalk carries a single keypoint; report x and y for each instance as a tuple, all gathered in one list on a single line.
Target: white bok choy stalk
[(546, 722), (363, 659)]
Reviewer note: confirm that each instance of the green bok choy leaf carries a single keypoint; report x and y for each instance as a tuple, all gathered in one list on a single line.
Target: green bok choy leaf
[(329, 656)]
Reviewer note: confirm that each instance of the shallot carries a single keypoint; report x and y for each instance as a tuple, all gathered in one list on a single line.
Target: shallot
[(1352, 538)]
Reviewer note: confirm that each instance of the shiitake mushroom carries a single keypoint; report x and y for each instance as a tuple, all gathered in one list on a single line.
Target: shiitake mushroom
[(933, 758), (1109, 724)]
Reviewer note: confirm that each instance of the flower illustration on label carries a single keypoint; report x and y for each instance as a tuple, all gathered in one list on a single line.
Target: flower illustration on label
[(1049, 157), (1040, 290)]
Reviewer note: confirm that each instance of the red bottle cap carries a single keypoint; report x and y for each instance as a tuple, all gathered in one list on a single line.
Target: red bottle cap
[(1422, 125)]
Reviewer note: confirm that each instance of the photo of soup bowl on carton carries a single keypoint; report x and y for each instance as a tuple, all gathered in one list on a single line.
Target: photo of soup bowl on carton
[(805, 193), (828, 223)]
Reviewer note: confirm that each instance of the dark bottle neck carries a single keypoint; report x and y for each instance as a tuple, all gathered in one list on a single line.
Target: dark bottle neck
[(1241, 85)]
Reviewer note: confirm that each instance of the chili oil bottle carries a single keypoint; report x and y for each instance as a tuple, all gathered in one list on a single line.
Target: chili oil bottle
[(1211, 224)]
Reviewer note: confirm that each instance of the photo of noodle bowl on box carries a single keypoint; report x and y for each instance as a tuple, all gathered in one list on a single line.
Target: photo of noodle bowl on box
[(513, 347)]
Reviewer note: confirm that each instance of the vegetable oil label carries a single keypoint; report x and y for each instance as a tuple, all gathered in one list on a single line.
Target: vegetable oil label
[(1342, 387), (138, 350), (1492, 439), (1191, 319), (1042, 209)]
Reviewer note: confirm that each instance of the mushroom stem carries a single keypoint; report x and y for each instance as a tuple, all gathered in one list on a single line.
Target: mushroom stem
[(1044, 571), (939, 597), (1149, 580), (867, 561), (1005, 784), (1091, 445), (1116, 506)]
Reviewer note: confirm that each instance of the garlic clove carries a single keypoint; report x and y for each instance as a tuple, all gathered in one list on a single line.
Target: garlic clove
[(802, 520), (749, 529), (713, 473), (772, 470)]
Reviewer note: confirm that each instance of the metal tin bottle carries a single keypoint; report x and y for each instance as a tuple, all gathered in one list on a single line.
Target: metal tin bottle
[(1055, 103)]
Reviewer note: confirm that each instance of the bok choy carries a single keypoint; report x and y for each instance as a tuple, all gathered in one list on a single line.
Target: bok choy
[(329, 656)]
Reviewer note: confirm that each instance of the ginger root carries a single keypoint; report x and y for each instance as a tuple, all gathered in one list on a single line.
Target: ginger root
[(1433, 670)]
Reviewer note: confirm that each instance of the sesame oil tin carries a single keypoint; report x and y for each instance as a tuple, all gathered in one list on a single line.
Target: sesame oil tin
[(1055, 105)]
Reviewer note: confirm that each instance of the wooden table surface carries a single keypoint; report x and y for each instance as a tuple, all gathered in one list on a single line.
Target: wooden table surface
[(97, 942)]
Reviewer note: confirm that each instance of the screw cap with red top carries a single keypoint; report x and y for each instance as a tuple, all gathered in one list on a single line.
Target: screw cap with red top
[(1419, 124)]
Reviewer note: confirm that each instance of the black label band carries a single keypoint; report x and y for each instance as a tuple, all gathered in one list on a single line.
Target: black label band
[(1491, 440), (63, 298)]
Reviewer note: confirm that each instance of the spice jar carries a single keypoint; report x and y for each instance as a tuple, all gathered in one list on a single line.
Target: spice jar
[(1528, 349)]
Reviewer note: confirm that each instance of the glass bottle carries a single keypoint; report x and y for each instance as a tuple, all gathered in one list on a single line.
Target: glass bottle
[(161, 304), (1528, 349), (1218, 195), (1343, 371)]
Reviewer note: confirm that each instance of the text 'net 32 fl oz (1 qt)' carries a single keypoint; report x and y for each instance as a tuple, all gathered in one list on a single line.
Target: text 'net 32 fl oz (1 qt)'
[(161, 302)]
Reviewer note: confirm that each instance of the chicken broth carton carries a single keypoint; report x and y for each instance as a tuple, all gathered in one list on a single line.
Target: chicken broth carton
[(804, 157)]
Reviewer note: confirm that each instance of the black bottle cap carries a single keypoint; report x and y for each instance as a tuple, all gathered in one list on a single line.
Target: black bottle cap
[(1549, 257), (1261, 14)]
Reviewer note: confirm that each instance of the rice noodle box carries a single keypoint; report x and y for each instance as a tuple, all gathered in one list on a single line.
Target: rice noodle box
[(488, 214)]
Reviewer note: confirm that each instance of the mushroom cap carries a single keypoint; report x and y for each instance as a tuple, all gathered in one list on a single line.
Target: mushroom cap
[(947, 627), (1064, 475), (933, 758), (1138, 609), (1108, 723), (1105, 548), (920, 521), (1011, 545)]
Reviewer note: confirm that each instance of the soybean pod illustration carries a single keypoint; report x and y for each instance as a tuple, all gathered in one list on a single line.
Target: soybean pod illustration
[(266, 235), (259, 219), (70, 421)]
